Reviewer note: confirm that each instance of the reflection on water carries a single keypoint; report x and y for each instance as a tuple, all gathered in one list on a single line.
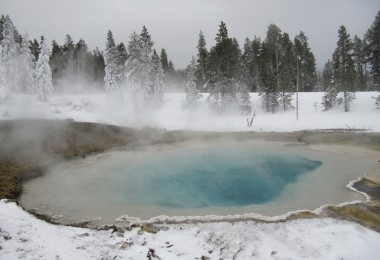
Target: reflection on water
[(205, 178)]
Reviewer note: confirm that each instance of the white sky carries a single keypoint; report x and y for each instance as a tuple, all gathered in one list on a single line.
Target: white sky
[(175, 24)]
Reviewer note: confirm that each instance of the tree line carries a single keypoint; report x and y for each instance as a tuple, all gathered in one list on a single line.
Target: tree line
[(270, 67), (354, 66), (275, 67)]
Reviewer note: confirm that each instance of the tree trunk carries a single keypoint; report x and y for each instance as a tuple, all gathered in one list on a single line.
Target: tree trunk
[(345, 102)]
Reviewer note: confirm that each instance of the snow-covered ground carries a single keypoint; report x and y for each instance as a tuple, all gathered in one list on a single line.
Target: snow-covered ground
[(22, 236), (99, 108)]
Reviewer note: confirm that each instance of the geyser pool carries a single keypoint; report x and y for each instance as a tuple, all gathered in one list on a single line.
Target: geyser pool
[(195, 178), (210, 178)]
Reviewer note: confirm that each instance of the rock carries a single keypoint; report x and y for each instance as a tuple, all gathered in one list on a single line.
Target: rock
[(5, 235), (149, 229), (152, 254), (126, 245), (205, 257), (56, 217)]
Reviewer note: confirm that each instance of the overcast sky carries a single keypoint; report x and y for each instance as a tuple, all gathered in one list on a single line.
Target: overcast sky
[(175, 24)]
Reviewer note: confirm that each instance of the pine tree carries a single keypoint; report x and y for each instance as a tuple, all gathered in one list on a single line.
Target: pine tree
[(2, 21), (168, 68), (35, 49), (329, 98), (164, 61), (247, 59), (244, 99), (372, 37), (26, 66), (123, 54), (171, 69), (44, 86), (377, 101), (81, 61), (10, 50), (256, 44), (56, 62), (200, 73), (250, 63), (306, 62), (68, 54), (224, 70), (268, 83), (122, 58), (157, 88), (269, 69), (4, 91), (139, 67), (192, 94), (344, 68), (112, 69), (360, 63), (98, 69), (287, 72)]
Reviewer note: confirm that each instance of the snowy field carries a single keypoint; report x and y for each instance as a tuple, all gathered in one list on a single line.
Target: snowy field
[(99, 108), (22, 236)]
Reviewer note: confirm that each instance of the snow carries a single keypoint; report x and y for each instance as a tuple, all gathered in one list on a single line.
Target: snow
[(119, 111), (22, 236)]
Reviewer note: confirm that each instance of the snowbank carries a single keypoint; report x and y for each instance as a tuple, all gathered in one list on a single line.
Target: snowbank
[(24, 237)]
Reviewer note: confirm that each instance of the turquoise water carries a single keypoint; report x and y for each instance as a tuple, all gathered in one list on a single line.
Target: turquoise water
[(195, 179), (208, 178)]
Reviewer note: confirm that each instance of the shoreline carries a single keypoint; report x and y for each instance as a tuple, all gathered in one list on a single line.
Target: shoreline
[(131, 139)]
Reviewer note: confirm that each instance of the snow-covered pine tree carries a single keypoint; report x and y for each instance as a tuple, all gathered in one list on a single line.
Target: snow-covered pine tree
[(112, 68), (35, 49), (10, 49), (192, 93), (26, 66), (4, 92), (44, 86), (158, 75), (138, 67)]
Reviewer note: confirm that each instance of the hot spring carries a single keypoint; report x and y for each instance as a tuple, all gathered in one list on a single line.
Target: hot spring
[(194, 179)]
